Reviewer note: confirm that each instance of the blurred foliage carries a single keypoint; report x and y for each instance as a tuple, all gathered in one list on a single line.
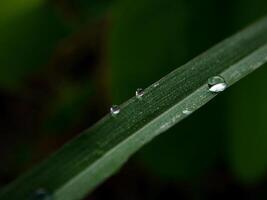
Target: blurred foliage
[(247, 129), (47, 79), (29, 31), (82, 12), (246, 122), (94, 8), (68, 107)]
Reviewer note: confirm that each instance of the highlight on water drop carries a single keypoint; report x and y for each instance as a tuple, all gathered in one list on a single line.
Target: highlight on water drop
[(217, 84), (115, 110)]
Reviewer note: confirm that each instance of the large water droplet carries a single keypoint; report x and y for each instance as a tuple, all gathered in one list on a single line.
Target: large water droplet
[(42, 194), (114, 110), (139, 92), (217, 84)]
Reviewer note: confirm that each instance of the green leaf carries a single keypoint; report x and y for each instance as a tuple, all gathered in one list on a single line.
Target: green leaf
[(98, 152), (13, 8), (247, 128), (94, 8), (29, 32), (148, 39), (72, 100)]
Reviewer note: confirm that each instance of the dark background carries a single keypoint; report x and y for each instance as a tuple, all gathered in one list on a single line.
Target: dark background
[(64, 62)]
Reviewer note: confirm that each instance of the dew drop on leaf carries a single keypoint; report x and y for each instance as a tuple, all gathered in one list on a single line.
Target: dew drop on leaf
[(114, 110), (156, 84), (187, 112), (217, 84), (139, 92)]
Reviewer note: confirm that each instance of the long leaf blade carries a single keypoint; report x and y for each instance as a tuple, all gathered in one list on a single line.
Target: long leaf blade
[(88, 160)]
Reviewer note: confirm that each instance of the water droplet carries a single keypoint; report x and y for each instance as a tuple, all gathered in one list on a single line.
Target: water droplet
[(187, 112), (217, 84), (139, 92), (156, 84), (114, 110), (42, 194)]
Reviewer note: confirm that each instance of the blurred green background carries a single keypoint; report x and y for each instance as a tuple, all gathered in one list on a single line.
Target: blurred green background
[(64, 62)]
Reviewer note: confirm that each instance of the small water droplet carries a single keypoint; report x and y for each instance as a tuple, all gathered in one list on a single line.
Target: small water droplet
[(42, 194), (139, 92), (217, 84), (114, 110), (187, 112), (156, 84)]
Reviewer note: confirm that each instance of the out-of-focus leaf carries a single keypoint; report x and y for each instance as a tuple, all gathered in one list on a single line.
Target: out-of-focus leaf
[(82, 12), (245, 11), (248, 127), (29, 31), (247, 109), (93, 8), (72, 101)]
